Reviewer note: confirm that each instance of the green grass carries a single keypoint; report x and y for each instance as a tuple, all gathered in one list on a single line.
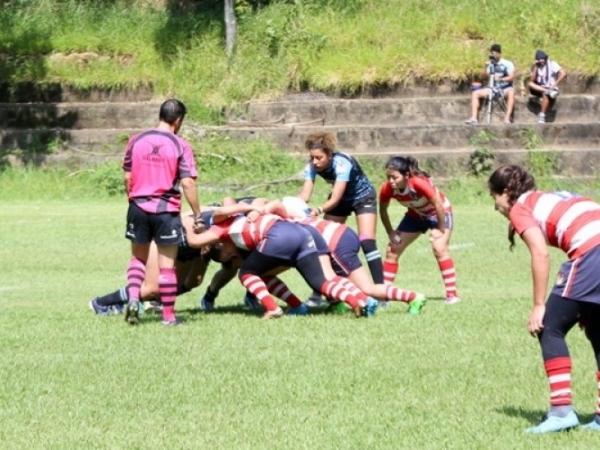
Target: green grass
[(335, 46), (459, 377)]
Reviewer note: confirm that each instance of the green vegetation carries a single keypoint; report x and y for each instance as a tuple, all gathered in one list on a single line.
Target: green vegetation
[(331, 45), (457, 377)]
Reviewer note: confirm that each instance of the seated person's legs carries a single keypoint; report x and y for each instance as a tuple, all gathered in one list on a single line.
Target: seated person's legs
[(509, 96), (476, 97)]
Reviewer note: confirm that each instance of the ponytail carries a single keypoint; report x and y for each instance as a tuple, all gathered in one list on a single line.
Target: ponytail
[(515, 181), (406, 166)]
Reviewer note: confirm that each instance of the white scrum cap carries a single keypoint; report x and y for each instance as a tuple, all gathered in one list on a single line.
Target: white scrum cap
[(296, 207)]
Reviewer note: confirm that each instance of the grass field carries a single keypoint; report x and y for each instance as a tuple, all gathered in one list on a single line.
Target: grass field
[(456, 377)]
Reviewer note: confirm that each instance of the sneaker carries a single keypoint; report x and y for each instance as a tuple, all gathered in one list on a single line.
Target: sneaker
[(593, 426), (314, 301), (301, 310), (132, 312), (117, 309), (551, 424), (384, 305), (207, 305), (415, 307), (369, 309), (471, 122), (452, 299), (153, 306), (275, 314), (541, 118), (251, 301), (175, 322), (99, 309), (338, 308)]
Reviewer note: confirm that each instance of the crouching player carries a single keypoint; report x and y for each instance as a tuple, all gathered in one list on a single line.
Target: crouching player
[(274, 243), (344, 246)]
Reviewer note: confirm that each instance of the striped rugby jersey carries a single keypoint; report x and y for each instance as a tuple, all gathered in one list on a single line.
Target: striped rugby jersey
[(416, 196), (331, 231), (245, 235), (568, 221)]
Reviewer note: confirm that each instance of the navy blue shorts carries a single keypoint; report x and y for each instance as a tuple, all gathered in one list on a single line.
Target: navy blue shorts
[(344, 257), (287, 241), (322, 247), (143, 227), (579, 279), (410, 224)]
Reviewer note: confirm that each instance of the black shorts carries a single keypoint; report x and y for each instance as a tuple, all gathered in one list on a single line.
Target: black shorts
[(185, 252), (143, 227), (364, 205)]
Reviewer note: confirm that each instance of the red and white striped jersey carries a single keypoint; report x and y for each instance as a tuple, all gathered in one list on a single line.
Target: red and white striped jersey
[(331, 231), (416, 196), (244, 234), (568, 221)]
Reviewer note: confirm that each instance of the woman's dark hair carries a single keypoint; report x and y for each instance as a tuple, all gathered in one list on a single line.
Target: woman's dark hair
[(515, 181), (172, 110), (321, 141), (406, 165)]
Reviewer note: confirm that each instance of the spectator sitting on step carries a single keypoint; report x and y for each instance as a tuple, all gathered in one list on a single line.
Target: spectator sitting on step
[(546, 75), (503, 72)]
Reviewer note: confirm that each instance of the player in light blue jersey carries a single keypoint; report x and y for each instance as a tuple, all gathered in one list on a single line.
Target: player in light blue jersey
[(352, 192)]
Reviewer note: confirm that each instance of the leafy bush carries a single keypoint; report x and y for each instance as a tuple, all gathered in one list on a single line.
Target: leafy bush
[(108, 178)]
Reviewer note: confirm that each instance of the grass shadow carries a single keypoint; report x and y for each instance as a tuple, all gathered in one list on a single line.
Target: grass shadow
[(532, 416)]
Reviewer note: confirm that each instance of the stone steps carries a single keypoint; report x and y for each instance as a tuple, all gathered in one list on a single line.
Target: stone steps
[(394, 111), (79, 115), (430, 128), (412, 138)]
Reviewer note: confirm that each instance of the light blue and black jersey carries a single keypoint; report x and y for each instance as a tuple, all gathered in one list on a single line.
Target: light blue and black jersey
[(502, 68), (343, 168)]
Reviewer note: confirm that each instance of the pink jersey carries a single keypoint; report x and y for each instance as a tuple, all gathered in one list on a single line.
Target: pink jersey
[(157, 161), (568, 221), (416, 196), (245, 235), (331, 231)]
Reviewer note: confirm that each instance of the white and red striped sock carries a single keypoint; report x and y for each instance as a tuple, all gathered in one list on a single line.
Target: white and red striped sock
[(558, 371), (398, 294), (449, 276), (352, 288), (390, 269), (280, 290), (257, 287), (333, 289)]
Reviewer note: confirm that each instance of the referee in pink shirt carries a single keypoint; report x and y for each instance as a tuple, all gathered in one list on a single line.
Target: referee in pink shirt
[(157, 162)]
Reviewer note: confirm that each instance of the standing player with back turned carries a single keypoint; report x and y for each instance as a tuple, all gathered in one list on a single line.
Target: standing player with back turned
[(156, 163)]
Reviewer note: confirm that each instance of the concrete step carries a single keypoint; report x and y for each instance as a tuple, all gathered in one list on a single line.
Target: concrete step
[(31, 92), (352, 139), (78, 115), (45, 141), (394, 111), (369, 138)]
